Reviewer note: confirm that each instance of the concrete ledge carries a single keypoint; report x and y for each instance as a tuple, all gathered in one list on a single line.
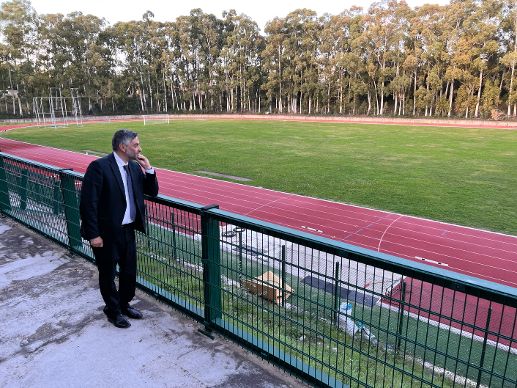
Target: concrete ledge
[(54, 333)]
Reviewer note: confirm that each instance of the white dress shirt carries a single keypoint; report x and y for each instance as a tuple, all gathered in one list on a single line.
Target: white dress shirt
[(120, 163)]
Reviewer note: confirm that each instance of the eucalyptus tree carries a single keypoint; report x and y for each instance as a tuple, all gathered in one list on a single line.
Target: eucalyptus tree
[(239, 63), (333, 65), (291, 60), (341, 77), (509, 49), (139, 45), (458, 57), (275, 59), (18, 32), (302, 48), (475, 47), (352, 61), (75, 54), (150, 48), (384, 40), (198, 46), (429, 58)]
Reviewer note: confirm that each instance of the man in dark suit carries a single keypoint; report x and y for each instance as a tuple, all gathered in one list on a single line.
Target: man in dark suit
[(112, 208)]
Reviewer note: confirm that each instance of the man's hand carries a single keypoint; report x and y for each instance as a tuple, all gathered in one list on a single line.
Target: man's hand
[(143, 161), (97, 242)]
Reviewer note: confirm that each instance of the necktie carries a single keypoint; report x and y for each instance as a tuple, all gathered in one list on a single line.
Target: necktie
[(131, 202)]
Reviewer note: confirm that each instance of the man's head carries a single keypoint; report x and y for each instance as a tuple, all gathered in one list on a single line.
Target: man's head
[(126, 144)]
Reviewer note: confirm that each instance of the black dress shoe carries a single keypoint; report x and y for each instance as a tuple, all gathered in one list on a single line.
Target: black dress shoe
[(119, 321), (132, 313)]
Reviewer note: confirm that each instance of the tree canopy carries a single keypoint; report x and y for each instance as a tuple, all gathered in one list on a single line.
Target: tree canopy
[(456, 60)]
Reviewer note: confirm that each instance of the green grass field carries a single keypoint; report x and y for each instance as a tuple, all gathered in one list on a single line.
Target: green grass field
[(458, 175)]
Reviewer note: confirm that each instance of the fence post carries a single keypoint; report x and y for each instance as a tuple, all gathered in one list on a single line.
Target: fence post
[(174, 242), (5, 202), (211, 258), (401, 314), (71, 207), (483, 352), (283, 276), (336, 293)]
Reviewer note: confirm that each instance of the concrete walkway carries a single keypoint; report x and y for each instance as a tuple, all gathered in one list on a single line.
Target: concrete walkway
[(53, 332)]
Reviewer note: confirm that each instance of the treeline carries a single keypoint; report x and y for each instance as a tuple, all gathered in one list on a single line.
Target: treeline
[(453, 60)]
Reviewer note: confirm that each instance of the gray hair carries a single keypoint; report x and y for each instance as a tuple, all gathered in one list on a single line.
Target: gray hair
[(122, 136)]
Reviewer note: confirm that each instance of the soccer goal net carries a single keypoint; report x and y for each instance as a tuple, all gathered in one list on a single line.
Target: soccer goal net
[(156, 119)]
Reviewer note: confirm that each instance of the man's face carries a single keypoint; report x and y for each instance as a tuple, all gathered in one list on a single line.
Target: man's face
[(132, 149)]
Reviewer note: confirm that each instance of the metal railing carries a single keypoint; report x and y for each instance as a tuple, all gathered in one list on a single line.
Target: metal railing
[(337, 314)]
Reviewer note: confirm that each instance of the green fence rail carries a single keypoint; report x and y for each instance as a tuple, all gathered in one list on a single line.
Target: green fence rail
[(337, 314)]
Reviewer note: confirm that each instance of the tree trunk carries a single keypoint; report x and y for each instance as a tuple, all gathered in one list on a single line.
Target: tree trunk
[(20, 106), (376, 100), (341, 95), (328, 97), (141, 102), (279, 80), (476, 113), (381, 110), (414, 93), (173, 97), (510, 93), (426, 103), (165, 93), (351, 99), (450, 99)]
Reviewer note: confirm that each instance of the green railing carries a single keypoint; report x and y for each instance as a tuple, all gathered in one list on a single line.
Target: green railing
[(337, 314)]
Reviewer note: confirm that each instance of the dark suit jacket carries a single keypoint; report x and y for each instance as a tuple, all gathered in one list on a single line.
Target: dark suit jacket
[(103, 202)]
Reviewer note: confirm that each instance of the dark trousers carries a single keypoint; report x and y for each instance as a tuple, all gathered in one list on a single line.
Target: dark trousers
[(123, 253)]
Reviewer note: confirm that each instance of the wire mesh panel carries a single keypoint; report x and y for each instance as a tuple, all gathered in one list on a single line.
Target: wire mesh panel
[(169, 255), (344, 319), (71, 184), (32, 195)]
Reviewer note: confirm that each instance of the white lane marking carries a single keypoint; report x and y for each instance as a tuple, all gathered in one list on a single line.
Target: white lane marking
[(389, 226)]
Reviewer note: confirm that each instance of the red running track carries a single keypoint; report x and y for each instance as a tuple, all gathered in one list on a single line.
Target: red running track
[(483, 254)]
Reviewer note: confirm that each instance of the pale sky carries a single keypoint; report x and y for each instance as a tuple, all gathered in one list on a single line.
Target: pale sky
[(260, 11)]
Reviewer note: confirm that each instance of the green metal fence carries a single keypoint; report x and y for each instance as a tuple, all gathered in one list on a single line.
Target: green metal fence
[(337, 314)]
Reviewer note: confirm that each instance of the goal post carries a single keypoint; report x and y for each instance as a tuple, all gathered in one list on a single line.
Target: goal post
[(156, 119), (57, 110)]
